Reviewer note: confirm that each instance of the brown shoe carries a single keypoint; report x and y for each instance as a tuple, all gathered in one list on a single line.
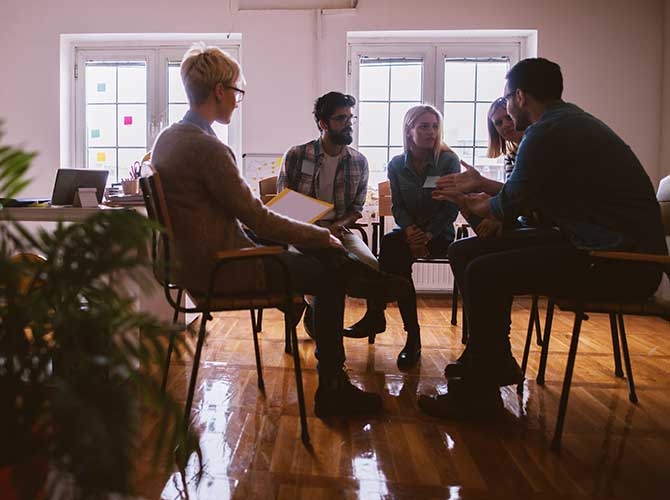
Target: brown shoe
[(346, 399)]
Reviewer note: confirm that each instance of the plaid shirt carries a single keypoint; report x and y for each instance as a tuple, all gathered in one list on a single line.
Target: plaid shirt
[(351, 177)]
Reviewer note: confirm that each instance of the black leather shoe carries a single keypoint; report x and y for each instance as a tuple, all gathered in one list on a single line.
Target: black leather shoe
[(372, 323), (410, 354), (308, 321), (509, 372), (345, 399)]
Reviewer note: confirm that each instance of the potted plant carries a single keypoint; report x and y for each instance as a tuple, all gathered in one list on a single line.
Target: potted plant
[(73, 372)]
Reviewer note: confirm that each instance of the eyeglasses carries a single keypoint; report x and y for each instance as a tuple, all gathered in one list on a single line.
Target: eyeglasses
[(353, 119), (509, 95), (239, 93)]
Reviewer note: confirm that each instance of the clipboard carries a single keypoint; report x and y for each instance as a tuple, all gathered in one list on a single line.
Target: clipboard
[(299, 206)]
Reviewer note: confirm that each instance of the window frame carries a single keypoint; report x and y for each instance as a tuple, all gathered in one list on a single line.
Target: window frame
[(157, 54)]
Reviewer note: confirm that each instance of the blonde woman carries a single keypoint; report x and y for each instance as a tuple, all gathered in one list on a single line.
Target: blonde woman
[(425, 226)]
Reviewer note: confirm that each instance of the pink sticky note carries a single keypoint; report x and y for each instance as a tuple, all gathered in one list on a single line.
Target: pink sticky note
[(127, 120)]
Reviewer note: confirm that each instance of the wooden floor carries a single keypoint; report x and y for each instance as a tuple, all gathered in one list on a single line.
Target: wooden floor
[(252, 447)]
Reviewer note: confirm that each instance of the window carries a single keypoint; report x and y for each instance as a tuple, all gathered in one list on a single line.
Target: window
[(123, 97), (460, 77)]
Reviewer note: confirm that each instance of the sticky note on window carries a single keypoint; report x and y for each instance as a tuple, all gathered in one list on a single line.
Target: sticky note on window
[(101, 87), (95, 133), (127, 120), (100, 157)]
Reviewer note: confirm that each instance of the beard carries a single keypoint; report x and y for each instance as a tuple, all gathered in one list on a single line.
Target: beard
[(521, 121), (342, 138)]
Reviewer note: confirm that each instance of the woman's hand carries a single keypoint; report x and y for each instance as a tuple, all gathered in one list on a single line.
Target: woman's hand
[(489, 228), (469, 181), (475, 203), (415, 236)]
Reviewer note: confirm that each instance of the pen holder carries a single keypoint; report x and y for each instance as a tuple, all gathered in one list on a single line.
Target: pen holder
[(130, 187)]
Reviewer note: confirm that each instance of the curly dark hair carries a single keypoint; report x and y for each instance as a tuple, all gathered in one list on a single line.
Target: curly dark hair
[(325, 106)]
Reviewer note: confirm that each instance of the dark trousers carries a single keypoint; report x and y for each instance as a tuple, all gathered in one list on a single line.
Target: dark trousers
[(396, 258), (317, 275), (531, 261)]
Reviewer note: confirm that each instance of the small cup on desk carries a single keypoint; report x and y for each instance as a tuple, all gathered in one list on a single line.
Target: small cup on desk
[(130, 186)]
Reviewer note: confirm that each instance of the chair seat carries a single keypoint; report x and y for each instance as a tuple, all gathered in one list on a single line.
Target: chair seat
[(432, 260), (646, 307), (245, 301)]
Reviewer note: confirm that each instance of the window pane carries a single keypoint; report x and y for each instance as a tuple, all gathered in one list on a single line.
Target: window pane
[(376, 159), (492, 171), (132, 84), (132, 124), (398, 110), (221, 132), (459, 81), (100, 83), (481, 132), (104, 159), (101, 125), (458, 124), (128, 156), (464, 154), (373, 124), (490, 80), (406, 82), (176, 112), (374, 82), (176, 93)]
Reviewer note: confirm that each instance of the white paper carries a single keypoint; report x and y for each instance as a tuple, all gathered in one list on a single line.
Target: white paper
[(298, 206), (430, 182)]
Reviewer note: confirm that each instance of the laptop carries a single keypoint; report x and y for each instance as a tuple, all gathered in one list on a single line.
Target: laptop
[(68, 180)]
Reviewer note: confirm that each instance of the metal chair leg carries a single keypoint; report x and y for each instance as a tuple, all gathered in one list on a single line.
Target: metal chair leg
[(618, 371), (526, 347), (454, 305), (545, 343), (259, 321), (465, 334), (304, 434), (287, 334), (632, 396), (565, 393), (257, 350), (166, 370), (196, 364), (536, 317)]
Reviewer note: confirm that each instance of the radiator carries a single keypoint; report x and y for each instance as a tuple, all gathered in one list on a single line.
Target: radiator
[(434, 278)]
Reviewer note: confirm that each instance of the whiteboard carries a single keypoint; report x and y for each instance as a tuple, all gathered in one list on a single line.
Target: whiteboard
[(257, 166)]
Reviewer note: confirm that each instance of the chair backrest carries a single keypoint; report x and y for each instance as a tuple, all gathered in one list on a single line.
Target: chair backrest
[(384, 202), (663, 196), (267, 188), (154, 202)]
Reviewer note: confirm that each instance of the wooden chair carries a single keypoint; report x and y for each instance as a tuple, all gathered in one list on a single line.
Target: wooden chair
[(215, 301), (384, 210), (616, 309)]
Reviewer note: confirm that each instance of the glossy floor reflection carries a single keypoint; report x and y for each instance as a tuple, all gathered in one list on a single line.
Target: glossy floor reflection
[(251, 441)]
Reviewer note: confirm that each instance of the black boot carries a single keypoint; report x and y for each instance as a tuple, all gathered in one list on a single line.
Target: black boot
[(372, 323), (411, 353)]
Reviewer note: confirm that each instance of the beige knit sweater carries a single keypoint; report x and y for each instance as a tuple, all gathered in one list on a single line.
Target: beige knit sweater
[(207, 199)]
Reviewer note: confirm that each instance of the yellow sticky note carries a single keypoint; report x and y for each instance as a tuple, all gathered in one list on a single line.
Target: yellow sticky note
[(100, 157), (279, 161)]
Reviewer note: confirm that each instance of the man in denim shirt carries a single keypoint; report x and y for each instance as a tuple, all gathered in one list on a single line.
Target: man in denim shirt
[(587, 184)]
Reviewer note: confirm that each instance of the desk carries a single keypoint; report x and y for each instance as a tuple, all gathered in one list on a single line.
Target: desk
[(152, 301)]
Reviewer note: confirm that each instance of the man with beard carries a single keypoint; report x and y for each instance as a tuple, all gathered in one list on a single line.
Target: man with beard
[(329, 169), (589, 187)]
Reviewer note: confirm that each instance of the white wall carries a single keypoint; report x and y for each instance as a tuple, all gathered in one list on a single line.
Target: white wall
[(611, 51), (664, 153)]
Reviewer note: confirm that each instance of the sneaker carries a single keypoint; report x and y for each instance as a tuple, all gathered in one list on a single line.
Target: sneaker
[(372, 323), (346, 399), (463, 402), (308, 321), (508, 374)]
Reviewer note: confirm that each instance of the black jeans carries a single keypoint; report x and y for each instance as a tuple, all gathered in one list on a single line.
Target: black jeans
[(531, 261), (317, 275), (396, 258)]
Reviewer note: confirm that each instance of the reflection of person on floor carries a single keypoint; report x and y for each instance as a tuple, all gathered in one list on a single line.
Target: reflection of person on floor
[(587, 183), (329, 169), (208, 201), (425, 226)]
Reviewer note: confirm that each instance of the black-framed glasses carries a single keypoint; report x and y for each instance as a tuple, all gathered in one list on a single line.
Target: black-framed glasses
[(352, 119), (509, 95), (239, 93)]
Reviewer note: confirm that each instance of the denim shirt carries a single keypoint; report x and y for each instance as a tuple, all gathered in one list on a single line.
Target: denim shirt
[(584, 179), (193, 118), (413, 204)]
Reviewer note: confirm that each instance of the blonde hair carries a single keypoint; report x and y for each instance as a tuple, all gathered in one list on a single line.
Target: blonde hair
[(410, 120), (203, 67), (497, 145)]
